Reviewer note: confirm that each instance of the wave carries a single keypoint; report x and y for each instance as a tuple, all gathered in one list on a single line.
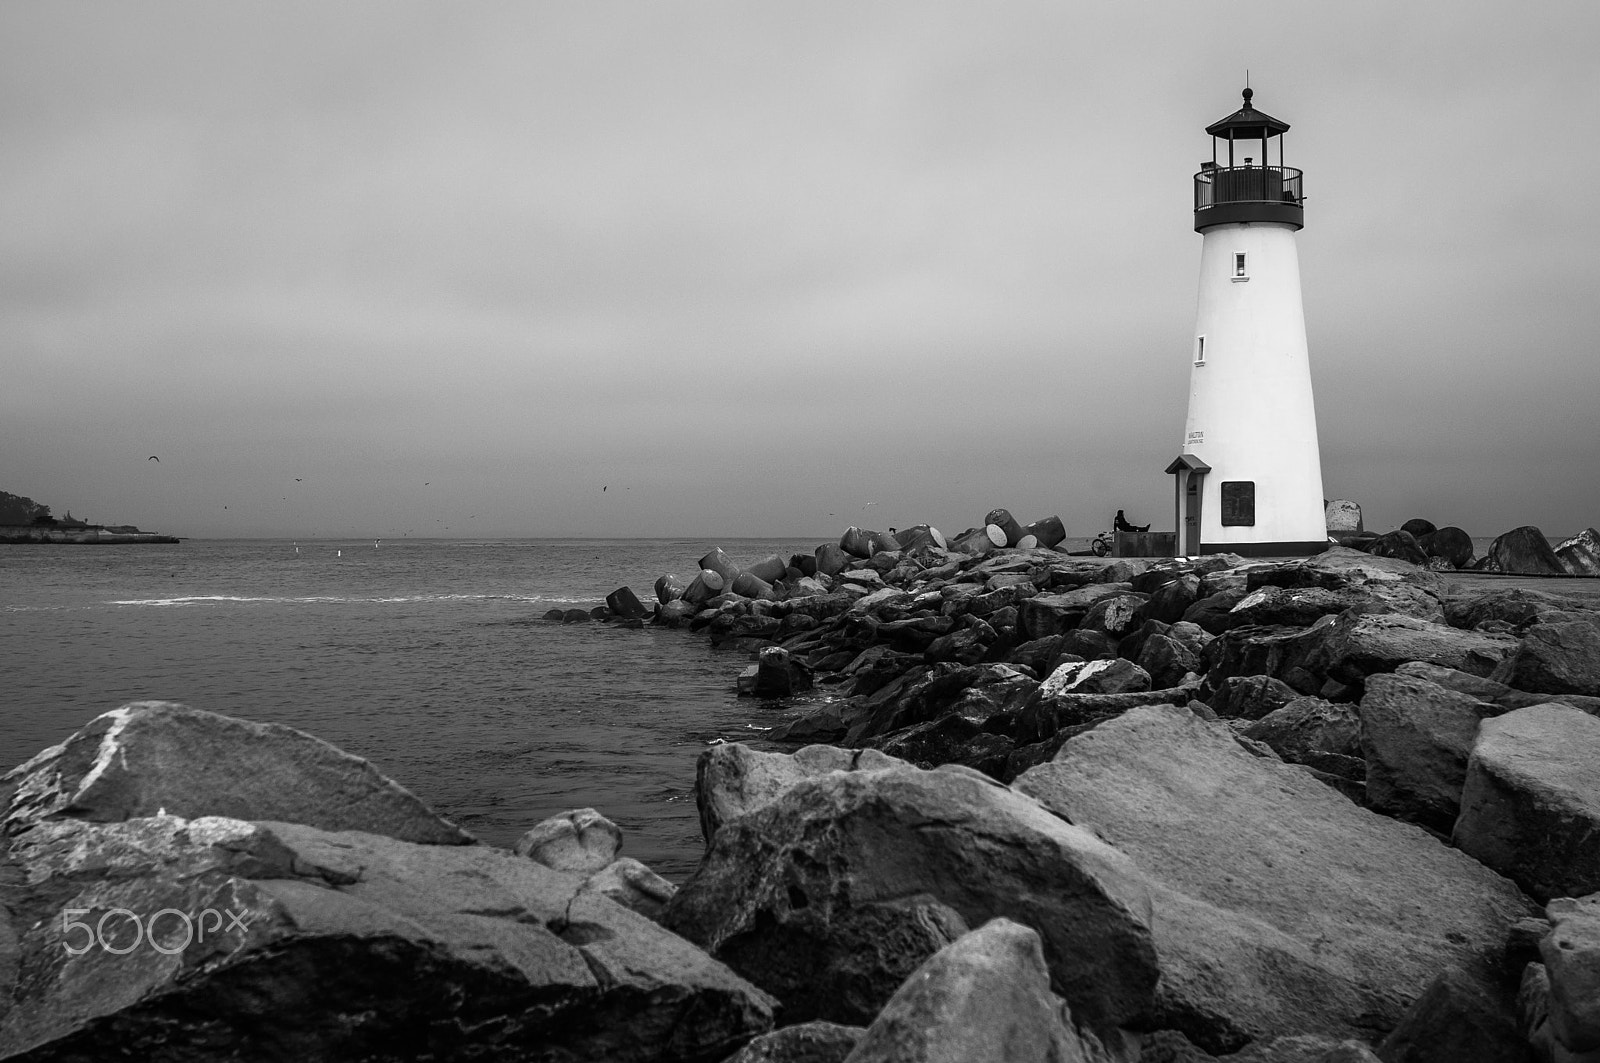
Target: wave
[(318, 599)]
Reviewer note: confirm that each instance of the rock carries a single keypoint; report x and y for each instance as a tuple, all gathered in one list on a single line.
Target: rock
[(807, 1042), (1251, 697), (834, 893), (984, 998), (1213, 612), (1114, 676), (750, 585), (1416, 736), (676, 613), (624, 603), (1398, 544), (776, 674), (1056, 614), (1451, 543), (1525, 551), (1304, 1048), (1580, 555), (1515, 607), (1416, 527), (1280, 907), (575, 616), (1343, 518), (1555, 658), (1167, 660), (152, 755), (1116, 616), (831, 559), (1456, 1020), (1530, 808), (732, 779), (1306, 726), (581, 841), (1171, 600), (920, 535), (1358, 645), (669, 589), (344, 945), (1571, 955), (631, 884), (705, 586)]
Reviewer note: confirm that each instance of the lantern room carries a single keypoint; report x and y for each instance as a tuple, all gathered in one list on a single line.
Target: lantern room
[(1239, 187)]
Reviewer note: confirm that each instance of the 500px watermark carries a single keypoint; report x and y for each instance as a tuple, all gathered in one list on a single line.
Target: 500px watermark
[(121, 930)]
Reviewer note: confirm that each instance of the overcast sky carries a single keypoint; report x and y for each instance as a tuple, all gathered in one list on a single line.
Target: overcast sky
[(722, 269)]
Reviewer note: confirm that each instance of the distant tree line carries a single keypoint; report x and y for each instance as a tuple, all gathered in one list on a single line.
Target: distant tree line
[(15, 509)]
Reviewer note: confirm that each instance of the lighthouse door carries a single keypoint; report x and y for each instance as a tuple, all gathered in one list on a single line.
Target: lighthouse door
[(1193, 495)]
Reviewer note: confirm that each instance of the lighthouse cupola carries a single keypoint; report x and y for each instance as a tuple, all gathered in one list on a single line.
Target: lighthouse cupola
[(1241, 183)]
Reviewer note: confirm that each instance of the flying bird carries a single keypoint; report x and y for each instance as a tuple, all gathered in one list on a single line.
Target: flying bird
[(297, 479), (154, 459), (603, 488)]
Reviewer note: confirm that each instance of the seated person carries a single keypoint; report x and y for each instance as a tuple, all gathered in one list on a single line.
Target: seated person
[(1121, 524)]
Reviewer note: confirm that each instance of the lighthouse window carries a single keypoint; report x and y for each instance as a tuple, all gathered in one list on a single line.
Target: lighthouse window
[(1239, 267), (1200, 350), (1238, 502)]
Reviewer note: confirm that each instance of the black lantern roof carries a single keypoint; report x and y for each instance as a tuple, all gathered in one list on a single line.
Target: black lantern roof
[(1247, 123)]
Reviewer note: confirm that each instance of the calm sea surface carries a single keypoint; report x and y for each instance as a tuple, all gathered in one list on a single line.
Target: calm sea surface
[(428, 657)]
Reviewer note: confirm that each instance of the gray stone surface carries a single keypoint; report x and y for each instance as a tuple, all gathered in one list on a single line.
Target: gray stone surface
[(1279, 906), (1416, 736), (1530, 807)]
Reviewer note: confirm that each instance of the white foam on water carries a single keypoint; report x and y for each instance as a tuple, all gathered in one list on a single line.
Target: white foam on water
[(201, 599)]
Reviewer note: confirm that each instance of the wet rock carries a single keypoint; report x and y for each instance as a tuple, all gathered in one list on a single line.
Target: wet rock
[(731, 779), (984, 998), (834, 893), (1555, 658), (1580, 555), (624, 603), (1416, 737), (776, 674), (359, 946), (152, 755), (628, 882), (1525, 551), (1279, 905), (581, 841), (1530, 808)]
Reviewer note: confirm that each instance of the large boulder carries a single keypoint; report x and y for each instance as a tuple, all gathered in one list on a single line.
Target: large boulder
[(831, 895), (1401, 545), (1530, 807), (1456, 1020), (1055, 614), (732, 779), (1306, 730), (1555, 658), (1580, 555), (1416, 736), (1280, 906), (1358, 645), (806, 1042), (582, 841), (1524, 551), (150, 756), (985, 998), (1450, 543), (215, 938)]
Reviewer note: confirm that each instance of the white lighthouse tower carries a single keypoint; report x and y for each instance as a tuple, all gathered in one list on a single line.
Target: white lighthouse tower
[(1249, 479)]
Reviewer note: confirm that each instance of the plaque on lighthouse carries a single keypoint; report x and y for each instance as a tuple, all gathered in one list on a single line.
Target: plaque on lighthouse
[(1249, 477)]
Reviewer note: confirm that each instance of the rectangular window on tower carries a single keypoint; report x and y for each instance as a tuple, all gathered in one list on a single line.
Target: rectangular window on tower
[(1200, 350), (1238, 502), (1239, 271)]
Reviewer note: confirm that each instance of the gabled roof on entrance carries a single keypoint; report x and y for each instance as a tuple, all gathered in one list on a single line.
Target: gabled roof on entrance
[(1247, 123), (1187, 461)]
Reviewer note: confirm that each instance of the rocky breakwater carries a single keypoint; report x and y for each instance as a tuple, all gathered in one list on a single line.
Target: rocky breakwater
[(179, 885), (1325, 799), (1523, 551)]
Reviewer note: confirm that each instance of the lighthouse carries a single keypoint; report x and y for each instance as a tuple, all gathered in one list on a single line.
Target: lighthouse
[(1249, 477)]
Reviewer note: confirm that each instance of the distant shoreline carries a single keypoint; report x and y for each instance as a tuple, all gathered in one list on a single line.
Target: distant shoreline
[(79, 535)]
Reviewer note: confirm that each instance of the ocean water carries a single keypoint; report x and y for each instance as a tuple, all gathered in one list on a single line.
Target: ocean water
[(428, 657)]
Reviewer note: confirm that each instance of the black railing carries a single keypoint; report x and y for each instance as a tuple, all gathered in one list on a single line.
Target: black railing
[(1247, 184)]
